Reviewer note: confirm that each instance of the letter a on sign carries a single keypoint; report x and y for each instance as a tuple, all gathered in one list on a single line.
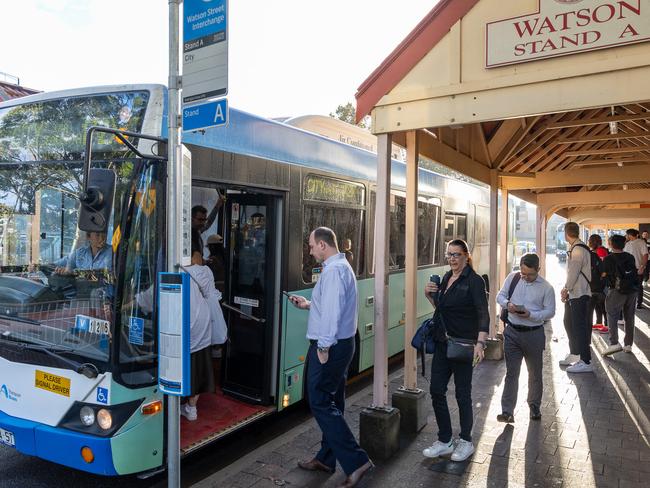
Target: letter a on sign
[(219, 116)]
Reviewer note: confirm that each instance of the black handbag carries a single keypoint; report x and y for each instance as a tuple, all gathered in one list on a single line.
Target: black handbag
[(461, 350)]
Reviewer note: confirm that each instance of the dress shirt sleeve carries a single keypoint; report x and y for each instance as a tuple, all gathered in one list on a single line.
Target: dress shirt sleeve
[(548, 306), (502, 297), (479, 299), (332, 300)]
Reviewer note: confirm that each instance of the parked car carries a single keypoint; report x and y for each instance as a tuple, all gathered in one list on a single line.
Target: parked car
[(561, 255)]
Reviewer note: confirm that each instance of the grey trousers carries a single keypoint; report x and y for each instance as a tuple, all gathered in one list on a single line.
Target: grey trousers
[(615, 303), (519, 345)]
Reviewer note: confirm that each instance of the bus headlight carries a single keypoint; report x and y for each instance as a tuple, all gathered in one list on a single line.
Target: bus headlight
[(99, 420), (87, 416), (104, 419)]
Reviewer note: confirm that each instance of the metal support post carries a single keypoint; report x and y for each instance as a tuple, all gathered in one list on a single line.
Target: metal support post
[(174, 192), (411, 274), (382, 227)]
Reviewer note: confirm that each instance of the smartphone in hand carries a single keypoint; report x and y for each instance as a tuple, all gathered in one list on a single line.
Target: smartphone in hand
[(520, 309)]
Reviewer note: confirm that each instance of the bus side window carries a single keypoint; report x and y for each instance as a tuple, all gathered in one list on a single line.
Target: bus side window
[(339, 205)]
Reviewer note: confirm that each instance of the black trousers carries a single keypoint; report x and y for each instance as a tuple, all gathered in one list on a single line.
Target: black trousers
[(578, 326), (639, 298), (597, 304), (441, 371)]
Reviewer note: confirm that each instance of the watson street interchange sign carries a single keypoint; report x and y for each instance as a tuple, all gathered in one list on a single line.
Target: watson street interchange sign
[(205, 50), (562, 27)]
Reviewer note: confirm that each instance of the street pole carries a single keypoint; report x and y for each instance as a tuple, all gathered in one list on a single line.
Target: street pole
[(174, 191)]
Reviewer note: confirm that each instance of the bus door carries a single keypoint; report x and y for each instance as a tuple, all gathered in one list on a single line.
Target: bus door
[(254, 230)]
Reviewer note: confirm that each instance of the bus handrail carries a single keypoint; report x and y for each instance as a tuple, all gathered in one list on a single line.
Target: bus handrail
[(241, 312)]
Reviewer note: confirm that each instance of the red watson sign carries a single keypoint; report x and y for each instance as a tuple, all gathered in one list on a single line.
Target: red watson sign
[(562, 27)]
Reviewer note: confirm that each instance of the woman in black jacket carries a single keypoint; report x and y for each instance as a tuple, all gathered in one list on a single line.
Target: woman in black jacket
[(461, 313)]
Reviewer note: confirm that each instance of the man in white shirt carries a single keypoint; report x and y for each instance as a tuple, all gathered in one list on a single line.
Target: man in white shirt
[(576, 295), (331, 328), (638, 248), (530, 305)]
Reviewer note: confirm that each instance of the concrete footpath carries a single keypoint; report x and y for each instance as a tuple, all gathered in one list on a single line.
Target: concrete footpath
[(594, 432)]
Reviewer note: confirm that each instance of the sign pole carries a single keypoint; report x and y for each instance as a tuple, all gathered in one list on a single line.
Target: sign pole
[(174, 190)]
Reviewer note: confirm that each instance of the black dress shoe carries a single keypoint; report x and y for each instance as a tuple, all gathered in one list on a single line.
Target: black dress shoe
[(356, 476), (506, 417), (315, 465), (535, 414)]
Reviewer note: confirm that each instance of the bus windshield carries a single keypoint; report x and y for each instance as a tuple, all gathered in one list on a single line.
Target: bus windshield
[(57, 283)]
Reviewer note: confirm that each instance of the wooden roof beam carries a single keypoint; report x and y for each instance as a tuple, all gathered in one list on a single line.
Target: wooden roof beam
[(604, 215), (593, 198), (603, 137), (596, 162), (613, 150), (598, 120), (450, 157), (578, 177)]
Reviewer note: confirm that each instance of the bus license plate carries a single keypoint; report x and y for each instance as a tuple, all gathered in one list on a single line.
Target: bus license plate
[(7, 438)]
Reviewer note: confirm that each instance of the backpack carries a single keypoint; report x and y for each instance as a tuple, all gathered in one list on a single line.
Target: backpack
[(597, 282), (625, 281)]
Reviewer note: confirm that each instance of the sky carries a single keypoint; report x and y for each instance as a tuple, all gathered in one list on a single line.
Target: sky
[(286, 57)]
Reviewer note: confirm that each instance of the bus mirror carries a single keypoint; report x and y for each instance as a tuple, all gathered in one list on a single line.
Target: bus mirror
[(97, 200)]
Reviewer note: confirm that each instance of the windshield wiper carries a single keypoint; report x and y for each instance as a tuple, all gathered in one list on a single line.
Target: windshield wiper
[(19, 319), (89, 370)]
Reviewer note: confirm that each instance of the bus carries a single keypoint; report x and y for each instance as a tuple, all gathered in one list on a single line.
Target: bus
[(78, 348)]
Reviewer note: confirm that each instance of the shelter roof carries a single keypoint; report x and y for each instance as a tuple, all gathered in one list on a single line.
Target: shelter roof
[(431, 29), (9, 91), (565, 125)]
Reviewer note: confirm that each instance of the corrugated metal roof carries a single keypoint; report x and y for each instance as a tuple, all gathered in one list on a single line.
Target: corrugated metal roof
[(9, 91)]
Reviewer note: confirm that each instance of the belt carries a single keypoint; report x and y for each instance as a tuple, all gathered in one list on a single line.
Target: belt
[(314, 342), (524, 328)]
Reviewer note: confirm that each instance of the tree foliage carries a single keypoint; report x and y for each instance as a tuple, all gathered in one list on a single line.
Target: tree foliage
[(347, 113)]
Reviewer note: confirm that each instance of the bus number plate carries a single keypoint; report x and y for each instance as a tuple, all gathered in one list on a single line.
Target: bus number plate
[(7, 438)]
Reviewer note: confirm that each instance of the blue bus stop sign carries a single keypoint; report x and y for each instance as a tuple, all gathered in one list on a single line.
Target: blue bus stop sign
[(204, 115)]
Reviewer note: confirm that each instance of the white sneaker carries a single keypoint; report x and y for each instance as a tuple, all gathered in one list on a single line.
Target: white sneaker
[(438, 449), (189, 412), (612, 349), (580, 367), (569, 360), (627, 348), (464, 449)]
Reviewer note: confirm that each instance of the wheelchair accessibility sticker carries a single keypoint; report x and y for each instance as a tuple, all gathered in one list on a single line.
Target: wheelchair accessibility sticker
[(102, 395)]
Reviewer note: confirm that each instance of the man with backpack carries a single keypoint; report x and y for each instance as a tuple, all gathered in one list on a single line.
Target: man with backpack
[(638, 248), (620, 274), (576, 295), (597, 302)]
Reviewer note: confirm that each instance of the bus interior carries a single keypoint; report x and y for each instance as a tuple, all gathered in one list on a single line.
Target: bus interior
[(241, 246)]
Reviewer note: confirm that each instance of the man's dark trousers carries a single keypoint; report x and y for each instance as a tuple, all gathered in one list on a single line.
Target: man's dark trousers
[(522, 344), (639, 298), (326, 387), (578, 327)]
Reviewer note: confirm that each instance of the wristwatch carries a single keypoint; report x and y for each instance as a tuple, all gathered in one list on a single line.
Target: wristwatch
[(323, 349), (482, 343)]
